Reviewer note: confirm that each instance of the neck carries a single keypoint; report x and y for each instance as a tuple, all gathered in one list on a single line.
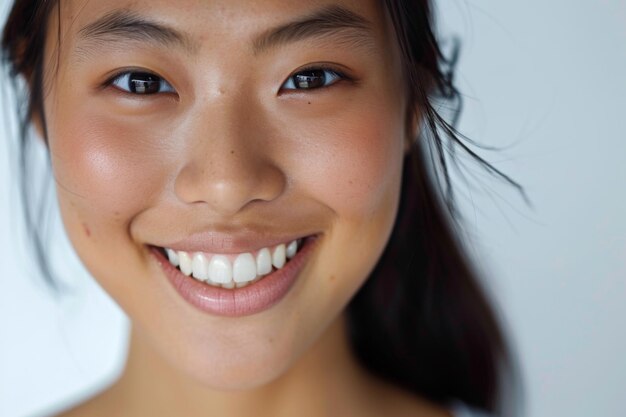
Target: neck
[(325, 380)]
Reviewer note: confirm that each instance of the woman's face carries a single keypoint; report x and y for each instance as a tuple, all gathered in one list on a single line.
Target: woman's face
[(261, 122)]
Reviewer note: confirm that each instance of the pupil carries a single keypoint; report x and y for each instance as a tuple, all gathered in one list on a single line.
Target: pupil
[(310, 79), (143, 83)]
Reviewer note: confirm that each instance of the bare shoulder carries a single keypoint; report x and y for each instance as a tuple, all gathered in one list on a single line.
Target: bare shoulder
[(398, 402), (386, 399), (411, 406), (100, 405)]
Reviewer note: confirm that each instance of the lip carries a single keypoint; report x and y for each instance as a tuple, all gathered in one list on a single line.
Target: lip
[(229, 243), (237, 302)]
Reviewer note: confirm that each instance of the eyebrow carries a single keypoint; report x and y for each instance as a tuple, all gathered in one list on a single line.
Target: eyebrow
[(123, 25), (331, 20)]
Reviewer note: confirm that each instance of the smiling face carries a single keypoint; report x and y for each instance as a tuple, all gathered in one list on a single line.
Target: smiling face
[(273, 119)]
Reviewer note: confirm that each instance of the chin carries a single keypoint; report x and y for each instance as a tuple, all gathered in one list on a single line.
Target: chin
[(236, 372)]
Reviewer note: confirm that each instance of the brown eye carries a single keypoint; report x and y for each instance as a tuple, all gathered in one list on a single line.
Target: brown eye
[(141, 83), (311, 79)]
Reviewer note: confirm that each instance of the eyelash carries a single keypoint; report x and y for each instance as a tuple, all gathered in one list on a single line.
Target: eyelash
[(335, 76), (335, 73), (125, 75)]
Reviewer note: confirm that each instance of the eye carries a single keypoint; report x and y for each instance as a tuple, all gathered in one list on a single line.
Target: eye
[(309, 79), (141, 83)]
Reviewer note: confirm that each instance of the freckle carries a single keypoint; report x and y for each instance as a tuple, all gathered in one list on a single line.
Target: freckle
[(232, 152), (86, 229), (332, 278)]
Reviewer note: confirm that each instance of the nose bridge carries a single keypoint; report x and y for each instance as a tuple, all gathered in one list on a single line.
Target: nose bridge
[(226, 167)]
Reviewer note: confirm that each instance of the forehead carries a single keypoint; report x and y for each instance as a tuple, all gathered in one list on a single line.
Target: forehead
[(196, 24)]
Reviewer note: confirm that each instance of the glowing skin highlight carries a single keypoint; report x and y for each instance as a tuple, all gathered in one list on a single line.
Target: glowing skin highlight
[(227, 146)]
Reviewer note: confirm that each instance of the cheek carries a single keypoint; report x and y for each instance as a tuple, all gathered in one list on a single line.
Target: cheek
[(353, 165), (106, 169), (353, 162)]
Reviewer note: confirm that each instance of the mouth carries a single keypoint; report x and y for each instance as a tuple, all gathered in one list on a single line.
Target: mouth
[(235, 284), (235, 270)]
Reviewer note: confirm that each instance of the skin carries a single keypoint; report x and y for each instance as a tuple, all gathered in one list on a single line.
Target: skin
[(230, 150)]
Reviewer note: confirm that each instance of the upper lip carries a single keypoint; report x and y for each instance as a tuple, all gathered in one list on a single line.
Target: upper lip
[(211, 241)]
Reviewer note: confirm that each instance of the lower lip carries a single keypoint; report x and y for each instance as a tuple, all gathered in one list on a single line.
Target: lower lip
[(237, 302)]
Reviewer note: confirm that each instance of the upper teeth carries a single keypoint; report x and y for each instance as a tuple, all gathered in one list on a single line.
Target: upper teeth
[(233, 270)]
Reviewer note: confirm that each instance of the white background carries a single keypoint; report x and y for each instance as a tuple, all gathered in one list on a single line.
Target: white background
[(543, 78)]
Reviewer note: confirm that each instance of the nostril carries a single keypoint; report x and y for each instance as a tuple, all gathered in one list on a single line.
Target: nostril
[(227, 187)]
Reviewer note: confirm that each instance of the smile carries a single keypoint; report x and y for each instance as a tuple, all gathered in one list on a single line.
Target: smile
[(233, 270), (235, 284)]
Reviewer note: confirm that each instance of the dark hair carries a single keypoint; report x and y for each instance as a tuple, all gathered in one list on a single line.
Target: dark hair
[(421, 320)]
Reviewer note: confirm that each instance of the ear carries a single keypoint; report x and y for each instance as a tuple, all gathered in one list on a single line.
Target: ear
[(36, 118), (38, 124), (413, 127)]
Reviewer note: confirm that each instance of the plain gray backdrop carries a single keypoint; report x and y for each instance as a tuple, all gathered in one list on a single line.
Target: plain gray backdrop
[(543, 78)]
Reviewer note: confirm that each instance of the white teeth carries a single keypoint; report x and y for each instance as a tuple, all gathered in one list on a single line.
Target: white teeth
[(172, 256), (220, 270), (244, 268), (278, 258), (264, 262), (200, 267), (185, 263), (292, 248)]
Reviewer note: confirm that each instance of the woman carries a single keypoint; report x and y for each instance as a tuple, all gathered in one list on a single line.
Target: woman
[(247, 181)]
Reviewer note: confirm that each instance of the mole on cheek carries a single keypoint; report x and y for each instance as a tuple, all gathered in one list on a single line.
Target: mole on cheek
[(86, 229)]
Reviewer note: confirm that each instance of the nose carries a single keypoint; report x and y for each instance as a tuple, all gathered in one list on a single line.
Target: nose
[(227, 166)]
